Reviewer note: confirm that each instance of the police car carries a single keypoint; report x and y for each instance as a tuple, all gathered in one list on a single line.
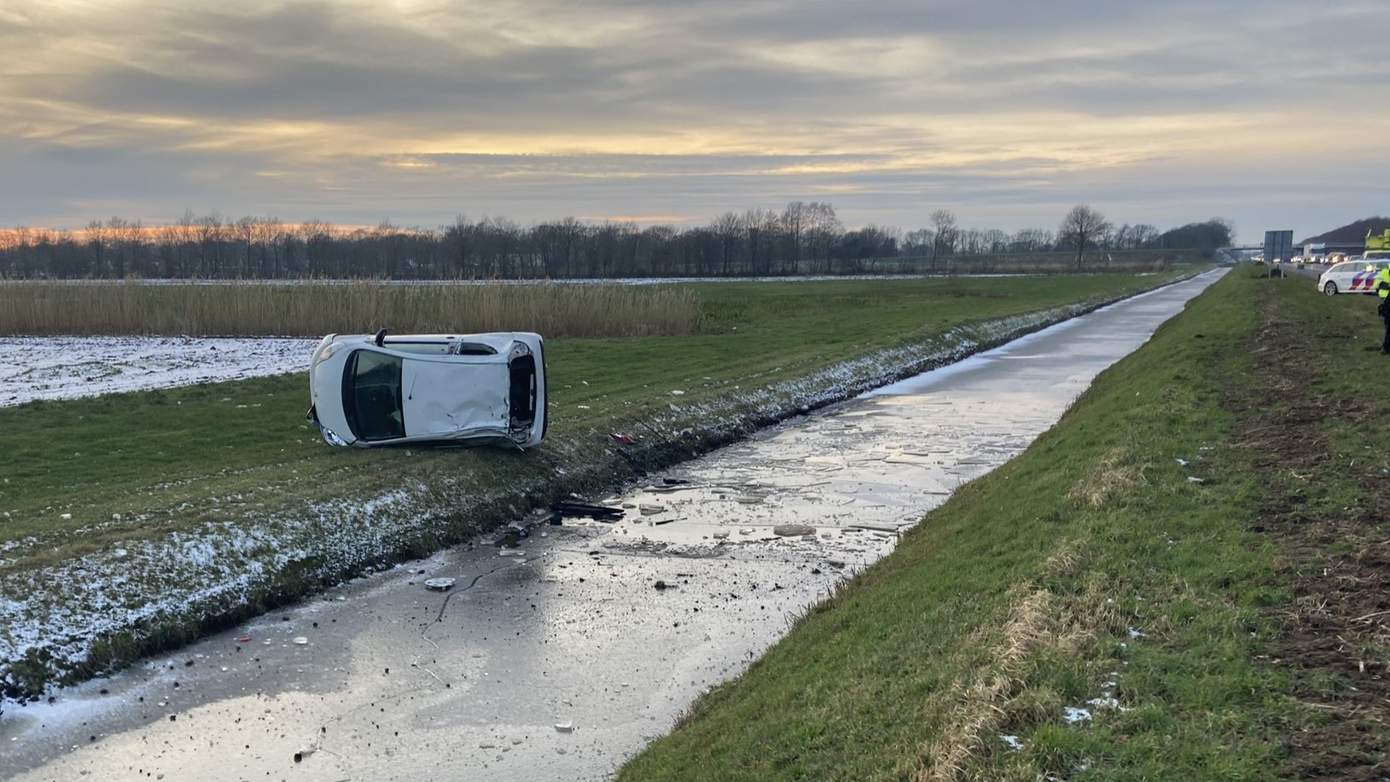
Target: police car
[(1352, 276), (472, 389)]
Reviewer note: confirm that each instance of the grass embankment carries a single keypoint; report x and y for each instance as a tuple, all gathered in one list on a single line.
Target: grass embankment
[(315, 309), (1114, 261), (199, 506), (1233, 618), (216, 449)]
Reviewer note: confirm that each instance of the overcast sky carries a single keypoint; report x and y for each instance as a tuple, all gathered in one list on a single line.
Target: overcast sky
[(1271, 113)]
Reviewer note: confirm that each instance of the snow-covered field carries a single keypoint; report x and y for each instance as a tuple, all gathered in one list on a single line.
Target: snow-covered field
[(67, 367)]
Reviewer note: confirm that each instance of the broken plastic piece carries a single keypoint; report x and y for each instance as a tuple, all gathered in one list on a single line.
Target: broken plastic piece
[(623, 439), (599, 512), (439, 584)]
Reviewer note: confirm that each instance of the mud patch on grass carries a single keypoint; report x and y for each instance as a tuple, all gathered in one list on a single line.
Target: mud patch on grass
[(1328, 515)]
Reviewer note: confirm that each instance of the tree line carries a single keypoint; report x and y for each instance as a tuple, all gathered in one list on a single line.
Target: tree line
[(804, 238)]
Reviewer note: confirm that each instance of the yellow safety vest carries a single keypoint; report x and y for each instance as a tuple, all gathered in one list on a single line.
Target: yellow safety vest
[(1383, 279)]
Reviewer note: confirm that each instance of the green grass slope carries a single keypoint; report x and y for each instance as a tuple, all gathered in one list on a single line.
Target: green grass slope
[(246, 443), (1097, 571)]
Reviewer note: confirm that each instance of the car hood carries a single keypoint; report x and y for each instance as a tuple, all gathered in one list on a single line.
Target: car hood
[(446, 398)]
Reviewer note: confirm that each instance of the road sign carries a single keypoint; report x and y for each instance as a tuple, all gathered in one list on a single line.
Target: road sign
[(1278, 244)]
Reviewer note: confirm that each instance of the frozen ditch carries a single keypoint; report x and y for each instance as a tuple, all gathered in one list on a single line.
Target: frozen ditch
[(557, 655), (68, 367)]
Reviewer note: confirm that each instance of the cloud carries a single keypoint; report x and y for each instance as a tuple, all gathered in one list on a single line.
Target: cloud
[(420, 109)]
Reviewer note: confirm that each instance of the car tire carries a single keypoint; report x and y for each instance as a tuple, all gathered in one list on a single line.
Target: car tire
[(1330, 288)]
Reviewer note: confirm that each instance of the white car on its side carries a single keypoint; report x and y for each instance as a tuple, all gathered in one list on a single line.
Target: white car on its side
[(1351, 277), (469, 389)]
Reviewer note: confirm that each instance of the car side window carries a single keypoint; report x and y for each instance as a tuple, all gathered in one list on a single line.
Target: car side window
[(373, 404)]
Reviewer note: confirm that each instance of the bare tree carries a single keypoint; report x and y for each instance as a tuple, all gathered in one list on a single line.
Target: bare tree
[(794, 220), (1143, 235), (1082, 226), (944, 221)]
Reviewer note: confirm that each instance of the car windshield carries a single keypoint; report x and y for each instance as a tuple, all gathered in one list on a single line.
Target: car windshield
[(372, 396)]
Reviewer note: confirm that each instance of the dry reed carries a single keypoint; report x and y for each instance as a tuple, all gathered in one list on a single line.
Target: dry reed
[(313, 309)]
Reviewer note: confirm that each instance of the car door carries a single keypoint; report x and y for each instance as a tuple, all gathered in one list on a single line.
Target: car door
[(1362, 277)]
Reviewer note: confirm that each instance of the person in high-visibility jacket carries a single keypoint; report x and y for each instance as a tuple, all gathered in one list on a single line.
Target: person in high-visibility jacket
[(1382, 287)]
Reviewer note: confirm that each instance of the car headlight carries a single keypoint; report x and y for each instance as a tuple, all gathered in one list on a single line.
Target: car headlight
[(331, 437), (325, 354)]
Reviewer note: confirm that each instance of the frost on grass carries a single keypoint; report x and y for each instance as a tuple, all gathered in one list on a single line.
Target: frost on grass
[(64, 615), (69, 367)]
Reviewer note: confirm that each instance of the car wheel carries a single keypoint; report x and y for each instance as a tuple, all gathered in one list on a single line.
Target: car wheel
[(1330, 288)]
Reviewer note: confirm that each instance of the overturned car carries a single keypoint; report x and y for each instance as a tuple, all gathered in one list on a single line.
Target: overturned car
[(472, 389)]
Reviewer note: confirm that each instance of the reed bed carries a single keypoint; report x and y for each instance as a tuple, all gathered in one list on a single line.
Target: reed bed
[(314, 309)]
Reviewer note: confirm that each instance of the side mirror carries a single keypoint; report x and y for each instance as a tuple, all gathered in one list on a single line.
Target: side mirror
[(379, 338)]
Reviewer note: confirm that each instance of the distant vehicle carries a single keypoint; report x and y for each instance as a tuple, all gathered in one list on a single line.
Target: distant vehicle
[(1376, 255), (1351, 277), (1259, 259), (1375, 243), (1296, 259), (473, 389), (1336, 258)]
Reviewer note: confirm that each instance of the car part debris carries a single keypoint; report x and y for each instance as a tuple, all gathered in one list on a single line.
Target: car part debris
[(300, 640), (877, 527), (304, 753), (623, 439), (582, 510), (565, 727), (793, 530), (439, 584)]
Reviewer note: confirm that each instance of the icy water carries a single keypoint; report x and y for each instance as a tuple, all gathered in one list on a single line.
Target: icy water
[(561, 655)]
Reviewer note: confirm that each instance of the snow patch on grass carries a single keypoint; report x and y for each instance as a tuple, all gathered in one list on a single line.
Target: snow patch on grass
[(69, 367)]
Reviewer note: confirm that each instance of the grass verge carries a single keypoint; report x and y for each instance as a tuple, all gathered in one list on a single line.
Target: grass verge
[(1169, 584), (198, 506)]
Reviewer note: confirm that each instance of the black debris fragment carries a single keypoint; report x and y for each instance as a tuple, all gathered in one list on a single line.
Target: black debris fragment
[(580, 509)]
